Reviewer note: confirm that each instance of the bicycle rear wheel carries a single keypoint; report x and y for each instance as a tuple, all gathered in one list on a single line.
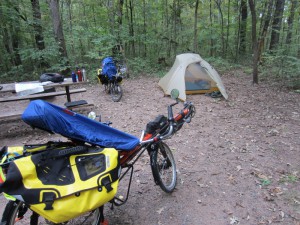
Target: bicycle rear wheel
[(164, 167), (116, 92), (19, 213)]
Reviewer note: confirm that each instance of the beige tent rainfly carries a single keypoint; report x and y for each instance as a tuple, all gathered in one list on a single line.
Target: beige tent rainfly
[(191, 74)]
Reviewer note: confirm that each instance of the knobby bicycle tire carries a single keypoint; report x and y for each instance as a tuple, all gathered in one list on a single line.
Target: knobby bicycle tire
[(164, 167), (116, 92), (16, 212)]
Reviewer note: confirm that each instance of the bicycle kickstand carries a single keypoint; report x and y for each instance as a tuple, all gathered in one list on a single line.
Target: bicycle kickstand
[(102, 220)]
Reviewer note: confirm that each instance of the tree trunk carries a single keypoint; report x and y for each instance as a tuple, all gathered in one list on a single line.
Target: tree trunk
[(254, 42), (11, 34), (173, 30), (218, 2), (120, 20), (290, 21), (276, 26), (120, 12), (167, 25), (111, 15), (298, 40), (71, 26), (228, 24), (38, 30), (8, 44), (176, 24), (243, 30), (264, 30), (237, 47), (211, 31), (131, 29), (196, 27), (15, 45), (57, 27), (144, 30)]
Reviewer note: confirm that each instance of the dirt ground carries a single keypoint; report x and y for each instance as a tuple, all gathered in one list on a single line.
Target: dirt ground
[(238, 161)]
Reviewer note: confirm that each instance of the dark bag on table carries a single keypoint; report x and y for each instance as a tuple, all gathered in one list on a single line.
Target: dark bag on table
[(54, 77)]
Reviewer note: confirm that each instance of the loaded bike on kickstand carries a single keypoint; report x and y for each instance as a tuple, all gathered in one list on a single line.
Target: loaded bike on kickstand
[(69, 182), (111, 75)]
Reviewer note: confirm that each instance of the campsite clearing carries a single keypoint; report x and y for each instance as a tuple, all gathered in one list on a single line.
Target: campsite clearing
[(237, 162)]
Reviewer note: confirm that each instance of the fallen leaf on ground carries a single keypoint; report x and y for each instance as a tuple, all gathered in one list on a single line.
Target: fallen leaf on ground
[(160, 210), (275, 191), (234, 220), (231, 178)]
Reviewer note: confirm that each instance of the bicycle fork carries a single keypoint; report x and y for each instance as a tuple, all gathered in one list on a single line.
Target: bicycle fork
[(166, 162)]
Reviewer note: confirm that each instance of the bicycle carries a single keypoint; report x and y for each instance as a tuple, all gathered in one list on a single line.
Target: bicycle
[(161, 161), (112, 85), (111, 75)]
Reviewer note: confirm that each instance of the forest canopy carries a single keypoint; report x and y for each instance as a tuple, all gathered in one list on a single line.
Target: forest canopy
[(261, 37)]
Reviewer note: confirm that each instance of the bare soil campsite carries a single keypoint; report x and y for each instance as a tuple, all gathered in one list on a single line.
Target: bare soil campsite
[(238, 161)]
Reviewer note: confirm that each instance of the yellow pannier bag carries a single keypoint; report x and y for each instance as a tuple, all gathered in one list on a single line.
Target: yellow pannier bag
[(64, 183)]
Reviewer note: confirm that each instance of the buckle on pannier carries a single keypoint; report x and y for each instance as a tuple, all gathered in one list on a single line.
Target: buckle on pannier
[(106, 182), (48, 199)]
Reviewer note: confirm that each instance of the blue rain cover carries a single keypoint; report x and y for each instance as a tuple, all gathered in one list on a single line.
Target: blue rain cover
[(53, 118), (108, 67)]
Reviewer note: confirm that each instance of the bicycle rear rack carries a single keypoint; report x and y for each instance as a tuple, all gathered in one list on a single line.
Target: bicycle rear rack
[(117, 201)]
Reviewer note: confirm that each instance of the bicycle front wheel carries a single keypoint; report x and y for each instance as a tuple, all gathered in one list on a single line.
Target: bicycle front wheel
[(116, 92), (164, 167), (19, 213)]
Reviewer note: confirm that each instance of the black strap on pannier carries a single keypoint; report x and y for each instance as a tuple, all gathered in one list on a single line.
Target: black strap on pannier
[(3, 151), (59, 153)]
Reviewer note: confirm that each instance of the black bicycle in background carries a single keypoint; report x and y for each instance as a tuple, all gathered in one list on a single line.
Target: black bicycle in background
[(112, 84)]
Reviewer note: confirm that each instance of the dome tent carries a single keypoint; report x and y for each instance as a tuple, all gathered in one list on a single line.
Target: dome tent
[(191, 74)]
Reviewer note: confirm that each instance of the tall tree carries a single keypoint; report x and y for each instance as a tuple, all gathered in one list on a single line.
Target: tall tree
[(264, 30), (196, 26), (276, 25), (131, 28), (176, 23), (294, 4), (254, 42), (111, 15), (219, 2), (211, 29), (228, 23), (70, 15), (120, 19), (11, 29), (167, 26), (243, 28), (38, 30), (144, 29), (57, 27)]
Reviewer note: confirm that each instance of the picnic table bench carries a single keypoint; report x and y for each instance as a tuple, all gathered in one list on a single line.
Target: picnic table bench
[(75, 108)]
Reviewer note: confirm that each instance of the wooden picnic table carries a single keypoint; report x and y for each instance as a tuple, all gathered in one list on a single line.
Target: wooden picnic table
[(6, 89), (11, 87)]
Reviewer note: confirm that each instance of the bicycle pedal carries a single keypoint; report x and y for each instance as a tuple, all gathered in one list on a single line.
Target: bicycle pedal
[(19, 218)]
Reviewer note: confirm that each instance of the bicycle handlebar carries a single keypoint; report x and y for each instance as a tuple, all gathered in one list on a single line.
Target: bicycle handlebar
[(185, 116)]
